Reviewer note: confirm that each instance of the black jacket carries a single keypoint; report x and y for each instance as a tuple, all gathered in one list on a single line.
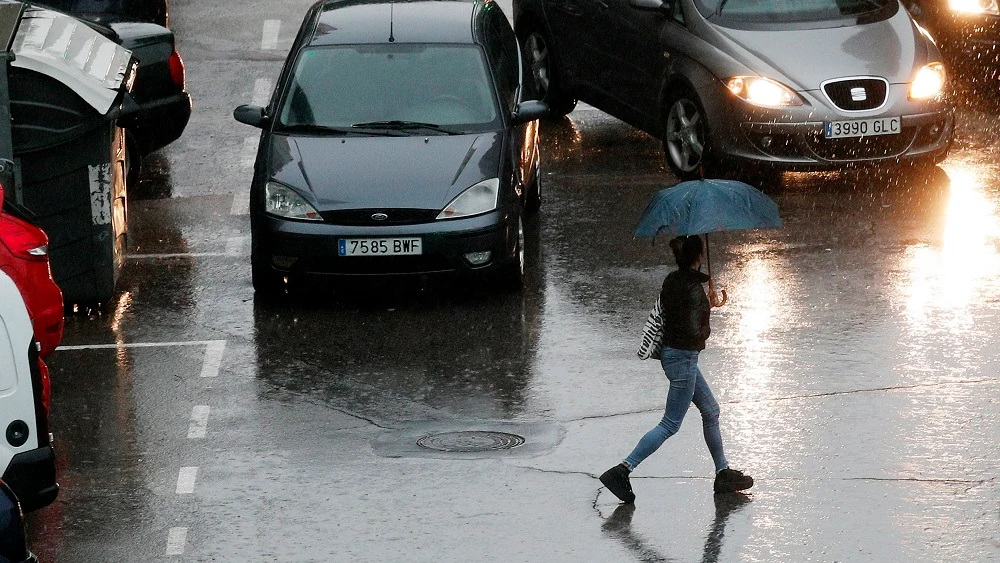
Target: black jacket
[(685, 310)]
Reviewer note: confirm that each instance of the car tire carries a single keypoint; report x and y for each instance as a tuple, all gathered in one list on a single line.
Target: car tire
[(686, 142), (266, 282), (533, 193), (545, 85), (510, 278)]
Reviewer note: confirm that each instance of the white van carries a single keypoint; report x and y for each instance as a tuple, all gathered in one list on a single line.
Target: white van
[(27, 460)]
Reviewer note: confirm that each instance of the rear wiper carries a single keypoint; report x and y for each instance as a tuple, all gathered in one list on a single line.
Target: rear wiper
[(405, 126)]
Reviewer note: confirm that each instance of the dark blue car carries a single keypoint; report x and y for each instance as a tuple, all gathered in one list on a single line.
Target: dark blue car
[(397, 141), (13, 545)]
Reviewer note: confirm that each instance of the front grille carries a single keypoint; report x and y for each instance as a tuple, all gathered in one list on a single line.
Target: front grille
[(855, 148), (393, 216), (857, 94)]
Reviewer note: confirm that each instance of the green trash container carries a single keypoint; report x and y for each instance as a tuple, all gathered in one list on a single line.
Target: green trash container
[(69, 153)]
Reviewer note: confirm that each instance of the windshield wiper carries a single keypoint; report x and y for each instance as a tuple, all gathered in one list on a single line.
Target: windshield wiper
[(328, 130), (718, 11), (398, 125)]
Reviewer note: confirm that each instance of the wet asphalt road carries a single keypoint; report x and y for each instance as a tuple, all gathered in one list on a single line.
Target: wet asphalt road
[(856, 363)]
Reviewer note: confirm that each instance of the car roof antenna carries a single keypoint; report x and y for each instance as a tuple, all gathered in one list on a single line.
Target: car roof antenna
[(391, 37)]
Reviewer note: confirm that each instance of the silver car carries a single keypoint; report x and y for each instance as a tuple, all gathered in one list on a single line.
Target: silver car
[(781, 85)]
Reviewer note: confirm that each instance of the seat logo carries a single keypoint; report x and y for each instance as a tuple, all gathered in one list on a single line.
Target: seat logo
[(379, 216), (858, 94)]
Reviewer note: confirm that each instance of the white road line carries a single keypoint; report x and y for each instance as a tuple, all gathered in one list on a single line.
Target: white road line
[(261, 91), (269, 39), (199, 422), (235, 246), (185, 480), (213, 358), (143, 345), (176, 539), (175, 255), (250, 150), (241, 203)]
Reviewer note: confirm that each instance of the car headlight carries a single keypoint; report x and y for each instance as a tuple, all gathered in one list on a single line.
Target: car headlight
[(975, 7), (284, 202), (761, 91), (929, 82), (478, 199)]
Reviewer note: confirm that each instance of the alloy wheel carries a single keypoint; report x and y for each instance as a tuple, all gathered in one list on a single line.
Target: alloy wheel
[(685, 135), (538, 57)]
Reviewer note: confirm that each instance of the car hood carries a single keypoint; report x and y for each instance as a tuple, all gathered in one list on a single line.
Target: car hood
[(803, 59), (413, 172)]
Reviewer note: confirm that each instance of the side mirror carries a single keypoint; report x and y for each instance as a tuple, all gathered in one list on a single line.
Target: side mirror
[(251, 115), (529, 111), (128, 112), (649, 5)]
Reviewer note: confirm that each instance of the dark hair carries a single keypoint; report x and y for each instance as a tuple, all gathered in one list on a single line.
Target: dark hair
[(687, 250)]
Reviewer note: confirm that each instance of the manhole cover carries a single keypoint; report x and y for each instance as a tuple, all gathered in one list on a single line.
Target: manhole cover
[(470, 441)]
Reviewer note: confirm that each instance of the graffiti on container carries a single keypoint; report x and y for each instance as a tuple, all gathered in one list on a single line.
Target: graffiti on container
[(100, 193)]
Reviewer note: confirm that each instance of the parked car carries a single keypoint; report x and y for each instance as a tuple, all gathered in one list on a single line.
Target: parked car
[(726, 84), (24, 256), (13, 541), (115, 11), (27, 460), (397, 141), (968, 32)]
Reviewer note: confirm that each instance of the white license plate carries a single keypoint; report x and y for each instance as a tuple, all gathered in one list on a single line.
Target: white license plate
[(381, 246), (863, 127)]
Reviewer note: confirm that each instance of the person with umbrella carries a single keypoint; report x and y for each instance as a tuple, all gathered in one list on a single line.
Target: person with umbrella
[(699, 206)]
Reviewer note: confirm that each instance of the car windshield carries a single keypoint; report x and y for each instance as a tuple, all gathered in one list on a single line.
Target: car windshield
[(765, 11), (414, 89)]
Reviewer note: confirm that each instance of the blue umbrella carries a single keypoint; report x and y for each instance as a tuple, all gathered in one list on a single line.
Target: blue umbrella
[(707, 206)]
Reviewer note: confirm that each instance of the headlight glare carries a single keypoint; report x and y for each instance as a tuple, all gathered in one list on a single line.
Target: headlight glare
[(929, 82), (285, 202), (478, 199), (975, 7), (764, 92)]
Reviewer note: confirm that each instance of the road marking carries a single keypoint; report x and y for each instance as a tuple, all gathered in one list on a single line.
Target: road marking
[(143, 345), (241, 203), (199, 422), (261, 91), (213, 358), (235, 246), (175, 255), (250, 150), (269, 39), (176, 539), (185, 480)]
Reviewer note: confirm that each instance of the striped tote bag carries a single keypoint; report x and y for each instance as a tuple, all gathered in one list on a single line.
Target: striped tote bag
[(652, 334)]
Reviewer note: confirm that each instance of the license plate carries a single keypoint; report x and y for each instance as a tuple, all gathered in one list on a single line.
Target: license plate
[(381, 246), (863, 127)]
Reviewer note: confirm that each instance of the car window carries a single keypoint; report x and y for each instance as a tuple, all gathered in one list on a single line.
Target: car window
[(501, 46), (343, 85), (771, 11)]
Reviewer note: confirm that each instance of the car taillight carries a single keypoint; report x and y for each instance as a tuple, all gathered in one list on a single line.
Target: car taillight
[(177, 69), (23, 240)]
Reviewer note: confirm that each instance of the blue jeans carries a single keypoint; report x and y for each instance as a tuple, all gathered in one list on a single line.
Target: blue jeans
[(687, 385)]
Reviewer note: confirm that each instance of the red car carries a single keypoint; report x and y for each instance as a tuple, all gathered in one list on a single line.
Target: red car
[(24, 257)]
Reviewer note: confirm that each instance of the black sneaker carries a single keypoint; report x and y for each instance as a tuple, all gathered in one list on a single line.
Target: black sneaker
[(730, 480), (616, 480)]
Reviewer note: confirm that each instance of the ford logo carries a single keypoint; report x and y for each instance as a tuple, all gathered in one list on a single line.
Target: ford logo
[(379, 216)]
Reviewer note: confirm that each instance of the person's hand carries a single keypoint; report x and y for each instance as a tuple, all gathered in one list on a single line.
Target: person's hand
[(715, 299)]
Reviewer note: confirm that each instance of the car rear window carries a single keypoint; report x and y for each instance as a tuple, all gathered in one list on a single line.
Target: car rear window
[(339, 86), (792, 11)]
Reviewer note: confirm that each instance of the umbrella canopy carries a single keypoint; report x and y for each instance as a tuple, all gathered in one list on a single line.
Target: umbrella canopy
[(707, 206)]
